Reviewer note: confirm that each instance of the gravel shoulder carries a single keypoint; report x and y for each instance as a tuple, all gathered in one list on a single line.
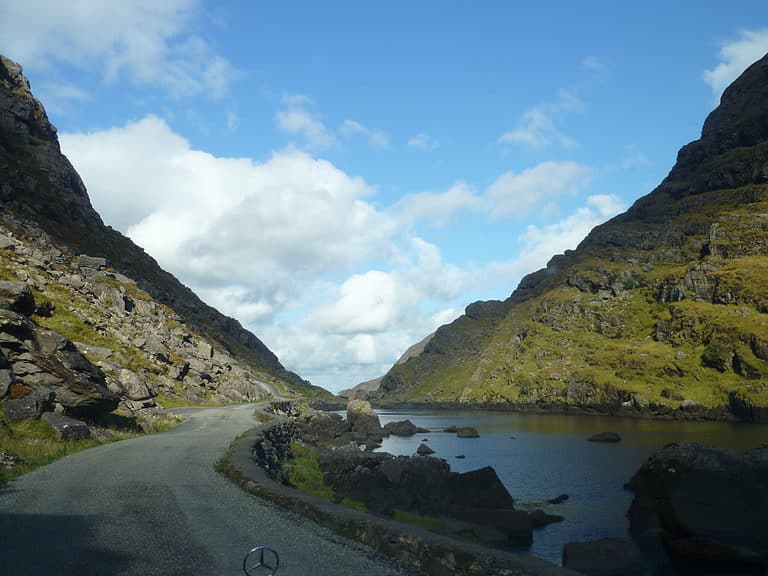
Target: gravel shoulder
[(156, 506)]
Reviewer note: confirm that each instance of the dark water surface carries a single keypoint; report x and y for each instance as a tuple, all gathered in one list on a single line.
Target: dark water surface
[(539, 457)]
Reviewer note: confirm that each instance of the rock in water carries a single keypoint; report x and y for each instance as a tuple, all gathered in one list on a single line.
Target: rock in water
[(363, 420), (403, 428), (480, 488), (707, 507), (424, 450), (468, 432), (605, 437)]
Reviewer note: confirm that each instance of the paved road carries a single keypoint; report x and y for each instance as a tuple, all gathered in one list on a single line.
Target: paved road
[(156, 506)]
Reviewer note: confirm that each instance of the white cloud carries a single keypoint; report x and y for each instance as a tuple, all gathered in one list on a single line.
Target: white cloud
[(537, 244), (423, 141), (438, 207), (150, 43), (736, 56), (376, 138), (297, 249), (536, 127), (295, 119), (229, 222), (517, 194)]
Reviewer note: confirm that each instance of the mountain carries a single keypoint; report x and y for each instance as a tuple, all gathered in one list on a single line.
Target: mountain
[(80, 302), (662, 310), (363, 389)]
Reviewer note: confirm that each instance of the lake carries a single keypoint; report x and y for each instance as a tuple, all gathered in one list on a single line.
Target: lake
[(539, 457)]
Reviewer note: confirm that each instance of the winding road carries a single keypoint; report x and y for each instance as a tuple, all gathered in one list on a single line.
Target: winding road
[(155, 505)]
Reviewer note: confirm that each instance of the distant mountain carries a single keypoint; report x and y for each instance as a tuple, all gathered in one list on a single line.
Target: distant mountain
[(662, 311), (362, 390), (143, 329)]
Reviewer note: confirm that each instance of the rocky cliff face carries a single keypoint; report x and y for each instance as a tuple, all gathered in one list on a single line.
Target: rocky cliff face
[(102, 323), (661, 310)]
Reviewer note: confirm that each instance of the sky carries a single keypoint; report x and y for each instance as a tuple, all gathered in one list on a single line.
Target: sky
[(343, 177)]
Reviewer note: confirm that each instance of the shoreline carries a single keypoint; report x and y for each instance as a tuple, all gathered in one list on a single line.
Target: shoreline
[(420, 551), (746, 414)]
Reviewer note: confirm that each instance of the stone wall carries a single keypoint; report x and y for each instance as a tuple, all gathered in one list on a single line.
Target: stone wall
[(420, 551)]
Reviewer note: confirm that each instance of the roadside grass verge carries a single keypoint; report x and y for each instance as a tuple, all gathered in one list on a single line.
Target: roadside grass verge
[(34, 442)]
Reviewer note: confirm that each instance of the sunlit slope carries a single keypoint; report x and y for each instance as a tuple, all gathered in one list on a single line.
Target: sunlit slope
[(663, 307)]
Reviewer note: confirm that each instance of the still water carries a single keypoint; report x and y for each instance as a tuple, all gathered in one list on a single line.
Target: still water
[(539, 457)]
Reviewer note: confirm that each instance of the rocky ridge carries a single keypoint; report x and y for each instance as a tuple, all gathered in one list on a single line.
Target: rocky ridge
[(40, 191), (659, 312), (73, 325)]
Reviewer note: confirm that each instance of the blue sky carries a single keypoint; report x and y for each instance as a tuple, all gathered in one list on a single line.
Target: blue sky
[(344, 177)]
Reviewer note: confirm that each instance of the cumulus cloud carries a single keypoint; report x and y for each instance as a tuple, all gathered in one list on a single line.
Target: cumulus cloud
[(144, 41), (537, 126), (229, 222), (299, 251), (439, 207), (735, 57), (296, 119), (423, 141), (516, 194)]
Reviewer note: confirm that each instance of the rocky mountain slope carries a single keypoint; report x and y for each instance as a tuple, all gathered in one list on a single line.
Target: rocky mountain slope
[(85, 314), (663, 310)]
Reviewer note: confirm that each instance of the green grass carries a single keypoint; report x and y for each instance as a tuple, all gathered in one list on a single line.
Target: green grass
[(35, 443), (427, 522), (304, 472)]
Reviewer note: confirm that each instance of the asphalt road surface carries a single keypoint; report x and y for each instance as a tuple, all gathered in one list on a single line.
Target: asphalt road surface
[(156, 506)]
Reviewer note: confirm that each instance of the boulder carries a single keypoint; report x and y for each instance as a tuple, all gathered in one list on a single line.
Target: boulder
[(467, 432), (700, 494), (424, 450), (65, 428), (6, 379), (8, 460), (31, 406), (16, 296), (605, 437), (363, 420), (80, 386), (386, 483), (606, 557), (480, 488), (134, 386), (90, 265), (403, 428)]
